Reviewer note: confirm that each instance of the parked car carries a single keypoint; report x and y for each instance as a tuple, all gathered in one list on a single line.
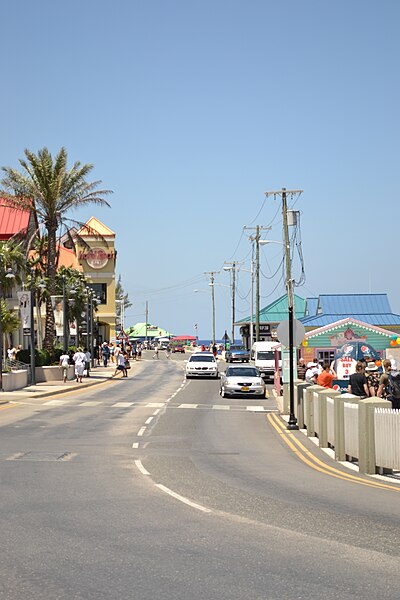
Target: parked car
[(242, 380), (203, 364), (237, 352), (178, 349)]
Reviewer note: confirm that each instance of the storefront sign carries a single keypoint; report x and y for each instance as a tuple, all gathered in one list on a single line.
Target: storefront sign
[(96, 258)]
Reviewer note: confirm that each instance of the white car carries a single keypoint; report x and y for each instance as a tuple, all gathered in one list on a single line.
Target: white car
[(243, 381), (202, 364)]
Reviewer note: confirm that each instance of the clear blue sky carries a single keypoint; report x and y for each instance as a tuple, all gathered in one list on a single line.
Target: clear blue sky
[(190, 110)]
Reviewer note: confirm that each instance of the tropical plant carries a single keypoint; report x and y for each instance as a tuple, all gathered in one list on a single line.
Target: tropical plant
[(52, 190), (9, 321)]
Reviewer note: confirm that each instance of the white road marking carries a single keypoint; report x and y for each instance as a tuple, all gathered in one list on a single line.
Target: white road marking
[(155, 404), (188, 406), (141, 431), (135, 445), (221, 407), (141, 468), (90, 403), (122, 404), (156, 412), (55, 402), (182, 498), (149, 420), (255, 408)]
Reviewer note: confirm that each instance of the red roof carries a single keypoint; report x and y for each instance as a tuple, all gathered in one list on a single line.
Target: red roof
[(182, 338), (12, 220)]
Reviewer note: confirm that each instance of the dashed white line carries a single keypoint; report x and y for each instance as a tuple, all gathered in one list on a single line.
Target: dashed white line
[(182, 498), (155, 404), (149, 420), (141, 468), (55, 402), (188, 406), (156, 412), (90, 403), (255, 408), (122, 404), (141, 431), (221, 407), (135, 445)]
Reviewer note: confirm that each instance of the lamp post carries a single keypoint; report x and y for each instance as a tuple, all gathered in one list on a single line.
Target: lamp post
[(32, 331), (9, 275)]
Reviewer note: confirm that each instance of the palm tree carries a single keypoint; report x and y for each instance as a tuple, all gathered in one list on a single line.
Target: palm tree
[(49, 188)]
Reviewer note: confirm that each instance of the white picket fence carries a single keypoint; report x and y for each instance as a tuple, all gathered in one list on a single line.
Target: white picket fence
[(387, 438)]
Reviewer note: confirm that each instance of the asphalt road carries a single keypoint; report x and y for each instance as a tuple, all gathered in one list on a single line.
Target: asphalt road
[(157, 488)]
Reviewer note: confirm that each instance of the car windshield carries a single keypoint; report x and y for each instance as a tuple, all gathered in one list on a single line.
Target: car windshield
[(202, 358), (239, 372), (237, 348), (267, 355)]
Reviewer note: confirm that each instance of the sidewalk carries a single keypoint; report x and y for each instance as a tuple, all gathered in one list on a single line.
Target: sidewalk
[(50, 388)]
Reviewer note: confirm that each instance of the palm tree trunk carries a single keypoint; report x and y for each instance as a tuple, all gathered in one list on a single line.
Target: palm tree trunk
[(48, 342)]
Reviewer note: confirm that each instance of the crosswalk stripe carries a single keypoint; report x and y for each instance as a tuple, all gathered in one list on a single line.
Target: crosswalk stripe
[(188, 406), (55, 402), (122, 404), (155, 404), (221, 407), (255, 408), (90, 403)]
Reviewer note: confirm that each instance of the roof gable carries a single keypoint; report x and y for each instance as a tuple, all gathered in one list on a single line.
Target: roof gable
[(348, 322), (97, 226), (12, 220)]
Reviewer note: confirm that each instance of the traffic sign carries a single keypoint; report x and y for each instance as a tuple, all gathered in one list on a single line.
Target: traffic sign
[(282, 332)]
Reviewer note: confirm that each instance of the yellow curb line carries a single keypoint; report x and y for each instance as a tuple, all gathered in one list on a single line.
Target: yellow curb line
[(307, 457)]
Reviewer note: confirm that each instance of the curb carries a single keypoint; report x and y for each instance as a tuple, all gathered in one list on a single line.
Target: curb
[(63, 391)]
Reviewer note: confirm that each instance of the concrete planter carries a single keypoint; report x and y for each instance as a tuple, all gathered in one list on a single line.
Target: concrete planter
[(53, 373), (15, 380)]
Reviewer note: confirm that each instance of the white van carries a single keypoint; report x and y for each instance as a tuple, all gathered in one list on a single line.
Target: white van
[(263, 354)]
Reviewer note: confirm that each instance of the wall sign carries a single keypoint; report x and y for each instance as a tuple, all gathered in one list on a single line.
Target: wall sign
[(96, 258)]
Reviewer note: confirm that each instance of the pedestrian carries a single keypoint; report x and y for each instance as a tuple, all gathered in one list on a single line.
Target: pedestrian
[(372, 375), (311, 371), (327, 376), (105, 351), (301, 369), (64, 364), (11, 352), (384, 379), (79, 359), (138, 351), (214, 349), (120, 366), (168, 351), (155, 355), (112, 352), (88, 358), (358, 383)]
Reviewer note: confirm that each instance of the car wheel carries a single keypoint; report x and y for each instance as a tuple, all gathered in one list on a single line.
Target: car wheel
[(217, 376)]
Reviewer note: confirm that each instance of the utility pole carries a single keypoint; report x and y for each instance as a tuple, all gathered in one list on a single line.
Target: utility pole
[(292, 424), (232, 269), (256, 239), (147, 316), (212, 279)]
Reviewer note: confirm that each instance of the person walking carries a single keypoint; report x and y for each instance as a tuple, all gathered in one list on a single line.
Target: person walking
[(88, 358), (79, 359), (64, 364), (168, 351), (155, 355), (105, 350), (120, 367)]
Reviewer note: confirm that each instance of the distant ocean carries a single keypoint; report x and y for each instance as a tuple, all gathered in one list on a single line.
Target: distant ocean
[(208, 342)]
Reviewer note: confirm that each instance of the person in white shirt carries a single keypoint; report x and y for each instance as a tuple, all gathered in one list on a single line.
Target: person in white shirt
[(64, 364), (88, 358), (120, 365), (79, 359)]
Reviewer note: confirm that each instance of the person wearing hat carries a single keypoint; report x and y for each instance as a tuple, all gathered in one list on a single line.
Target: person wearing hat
[(372, 375), (312, 370), (79, 359)]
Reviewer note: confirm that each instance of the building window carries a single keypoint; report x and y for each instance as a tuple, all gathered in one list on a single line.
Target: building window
[(326, 356), (100, 289)]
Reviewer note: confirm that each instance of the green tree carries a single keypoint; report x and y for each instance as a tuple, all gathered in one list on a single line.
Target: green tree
[(122, 297), (52, 190)]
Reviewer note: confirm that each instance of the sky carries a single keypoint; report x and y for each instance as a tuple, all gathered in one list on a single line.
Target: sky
[(190, 111)]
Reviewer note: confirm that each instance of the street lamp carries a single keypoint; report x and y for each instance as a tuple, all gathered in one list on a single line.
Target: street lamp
[(71, 292), (9, 275)]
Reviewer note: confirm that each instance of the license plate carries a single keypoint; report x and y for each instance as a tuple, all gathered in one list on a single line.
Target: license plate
[(244, 389)]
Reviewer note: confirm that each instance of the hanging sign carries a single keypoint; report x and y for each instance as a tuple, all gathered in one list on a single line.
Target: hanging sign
[(24, 302)]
